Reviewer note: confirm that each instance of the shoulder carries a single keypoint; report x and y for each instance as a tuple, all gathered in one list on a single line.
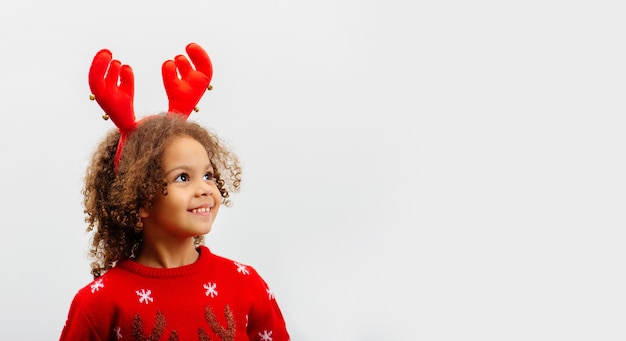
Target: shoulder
[(236, 273), (229, 265), (264, 316), (99, 288), (91, 306)]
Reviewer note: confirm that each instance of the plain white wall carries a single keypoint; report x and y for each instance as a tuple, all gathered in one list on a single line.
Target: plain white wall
[(414, 170)]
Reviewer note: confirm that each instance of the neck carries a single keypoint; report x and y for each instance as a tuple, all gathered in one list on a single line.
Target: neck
[(159, 255)]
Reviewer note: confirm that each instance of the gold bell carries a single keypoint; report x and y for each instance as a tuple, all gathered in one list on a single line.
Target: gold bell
[(196, 109), (105, 117), (210, 87), (92, 97)]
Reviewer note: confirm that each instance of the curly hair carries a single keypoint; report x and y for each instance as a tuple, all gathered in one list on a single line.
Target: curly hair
[(113, 197)]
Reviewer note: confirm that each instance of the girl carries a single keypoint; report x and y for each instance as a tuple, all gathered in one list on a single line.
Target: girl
[(152, 190)]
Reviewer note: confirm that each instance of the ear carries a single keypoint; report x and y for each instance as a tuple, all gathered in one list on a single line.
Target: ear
[(144, 213)]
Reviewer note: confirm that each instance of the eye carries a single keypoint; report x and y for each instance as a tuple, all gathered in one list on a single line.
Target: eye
[(209, 176), (182, 178)]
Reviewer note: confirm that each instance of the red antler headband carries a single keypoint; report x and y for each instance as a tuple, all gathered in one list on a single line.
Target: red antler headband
[(183, 93)]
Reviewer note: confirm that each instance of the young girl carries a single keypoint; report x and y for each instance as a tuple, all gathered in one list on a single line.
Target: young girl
[(152, 190)]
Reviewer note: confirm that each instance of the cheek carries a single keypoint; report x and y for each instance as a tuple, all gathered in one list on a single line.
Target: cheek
[(217, 196)]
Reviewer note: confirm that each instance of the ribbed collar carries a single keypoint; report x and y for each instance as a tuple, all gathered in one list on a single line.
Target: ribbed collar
[(199, 265)]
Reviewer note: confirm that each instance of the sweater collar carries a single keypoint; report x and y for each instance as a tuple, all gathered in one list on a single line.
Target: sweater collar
[(145, 271)]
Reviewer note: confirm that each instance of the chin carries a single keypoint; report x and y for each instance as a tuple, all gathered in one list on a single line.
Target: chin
[(205, 231)]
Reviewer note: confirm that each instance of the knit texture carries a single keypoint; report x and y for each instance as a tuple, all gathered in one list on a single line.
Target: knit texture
[(212, 299)]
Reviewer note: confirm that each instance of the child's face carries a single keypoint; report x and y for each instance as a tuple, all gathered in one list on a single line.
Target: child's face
[(192, 199)]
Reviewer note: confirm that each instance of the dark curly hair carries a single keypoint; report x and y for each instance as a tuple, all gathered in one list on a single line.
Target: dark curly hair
[(113, 198)]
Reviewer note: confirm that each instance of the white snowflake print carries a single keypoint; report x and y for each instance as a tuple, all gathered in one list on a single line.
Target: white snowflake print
[(266, 336), (270, 293), (144, 296), (97, 285), (242, 268), (210, 289), (118, 332)]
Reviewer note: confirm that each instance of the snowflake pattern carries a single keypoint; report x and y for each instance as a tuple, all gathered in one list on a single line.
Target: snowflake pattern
[(144, 296), (242, 268), (270, 293), (266, 336), (97, 285), (210, 289), (118, 332)]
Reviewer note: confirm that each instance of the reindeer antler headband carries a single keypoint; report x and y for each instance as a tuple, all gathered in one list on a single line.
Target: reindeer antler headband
[(113, 87)]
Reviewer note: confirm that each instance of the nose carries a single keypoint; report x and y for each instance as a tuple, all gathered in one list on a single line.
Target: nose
[(204, 189)]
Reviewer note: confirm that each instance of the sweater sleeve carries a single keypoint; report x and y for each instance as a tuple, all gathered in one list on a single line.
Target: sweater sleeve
[(266, 321), (78, 326)]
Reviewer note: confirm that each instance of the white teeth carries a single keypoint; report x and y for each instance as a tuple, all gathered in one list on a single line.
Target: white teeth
[(201, 210)]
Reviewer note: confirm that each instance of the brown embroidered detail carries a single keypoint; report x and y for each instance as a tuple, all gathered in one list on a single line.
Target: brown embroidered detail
[(157, 331), (202, 336), (223, 333)]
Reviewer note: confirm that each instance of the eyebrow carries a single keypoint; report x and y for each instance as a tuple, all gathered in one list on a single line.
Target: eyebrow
[(208, 167)]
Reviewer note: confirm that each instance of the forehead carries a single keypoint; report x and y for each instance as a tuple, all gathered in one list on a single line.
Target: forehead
[(184, 151)]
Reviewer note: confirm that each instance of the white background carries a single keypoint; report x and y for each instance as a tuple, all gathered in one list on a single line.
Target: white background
[(417, 170)]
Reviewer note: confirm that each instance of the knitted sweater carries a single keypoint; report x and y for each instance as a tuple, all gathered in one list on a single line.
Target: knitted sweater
[(212, 299)]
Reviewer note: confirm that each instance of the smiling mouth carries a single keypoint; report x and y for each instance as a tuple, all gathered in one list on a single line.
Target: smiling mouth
[(201, 210)]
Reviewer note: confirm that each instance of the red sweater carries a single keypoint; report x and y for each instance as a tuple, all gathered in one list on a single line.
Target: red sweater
[(212, 299)]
